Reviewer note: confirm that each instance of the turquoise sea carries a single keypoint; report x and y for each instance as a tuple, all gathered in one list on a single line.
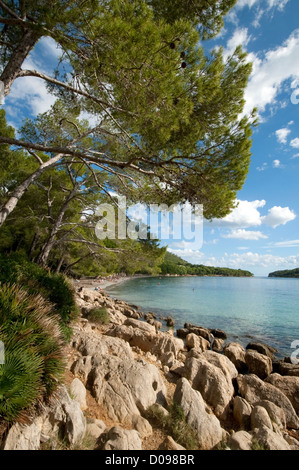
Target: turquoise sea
[(263, 309)]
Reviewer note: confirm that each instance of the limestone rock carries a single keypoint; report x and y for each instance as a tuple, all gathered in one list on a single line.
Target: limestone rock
[(258, 364), (199, 417), (236, 353), (142, 426), (198, 342), (242, 412), (82, 367), (125, 387), (240, 440), (262, 349), (218, 344), (94, 430), (286, 368), (170, 444), (289, 386), (212, 377), (78, 392), (254, 390), (277, 415), (75, 422), (269, 440), (259, 417), (23, 437), (122, 439)]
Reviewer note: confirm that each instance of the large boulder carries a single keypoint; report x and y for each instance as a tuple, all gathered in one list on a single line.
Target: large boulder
[(259, 417), (253, 389), (262, 349), (144, 336), (121, 439), (286, 368), (236, 354), (258, 364), (289, 386), (242, 412), (78, 392), (211, 374), (126, 387), (23, 437), (240, 440), (277, 415), (199, 331), (62, 417), (199, 417), (93, 344), (266, 439), (197, 342)]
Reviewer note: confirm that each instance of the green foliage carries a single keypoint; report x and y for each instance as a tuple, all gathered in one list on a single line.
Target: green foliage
[(34, 361), (174, 423), (15, 268), (20, 381), (285, 273), (173, 264), (98, 315)]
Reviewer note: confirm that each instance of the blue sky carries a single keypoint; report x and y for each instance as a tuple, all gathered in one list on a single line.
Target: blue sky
[(262, 233)]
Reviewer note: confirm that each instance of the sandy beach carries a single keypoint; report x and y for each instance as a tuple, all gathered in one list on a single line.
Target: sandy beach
[(101, 283)]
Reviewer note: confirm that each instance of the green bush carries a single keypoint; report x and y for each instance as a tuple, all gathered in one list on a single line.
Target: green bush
[(34, 360), (98, 315), (16, 269), (175, 424)]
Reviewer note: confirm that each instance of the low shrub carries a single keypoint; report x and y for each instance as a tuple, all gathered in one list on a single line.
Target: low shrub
[(16, 269), (175, 424), (98, 315), (34, 360)]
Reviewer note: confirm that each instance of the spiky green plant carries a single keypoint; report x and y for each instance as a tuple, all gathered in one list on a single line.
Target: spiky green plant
[(20, 381), (33, 349)]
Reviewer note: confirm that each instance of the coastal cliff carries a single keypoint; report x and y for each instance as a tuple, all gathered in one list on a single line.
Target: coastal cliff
[(130, 386)]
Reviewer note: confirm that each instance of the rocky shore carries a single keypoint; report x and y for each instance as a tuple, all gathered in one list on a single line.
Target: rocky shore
[(124, 374)]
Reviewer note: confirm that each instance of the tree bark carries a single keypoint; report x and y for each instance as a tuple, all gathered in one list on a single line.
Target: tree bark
[(17, 58), (50, 242), (9, 206), (58, 268), (33, 245)]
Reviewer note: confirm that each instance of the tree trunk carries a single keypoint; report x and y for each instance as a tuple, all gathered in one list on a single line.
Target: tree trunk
[(10, 205), (75, 262), (33, 245), (58, 268), (50, 242), (17, 58)]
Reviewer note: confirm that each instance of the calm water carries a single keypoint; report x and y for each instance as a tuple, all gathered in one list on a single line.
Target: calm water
[(264, 309)]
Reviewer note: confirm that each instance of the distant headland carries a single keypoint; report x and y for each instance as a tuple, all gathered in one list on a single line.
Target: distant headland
[(285, 273)]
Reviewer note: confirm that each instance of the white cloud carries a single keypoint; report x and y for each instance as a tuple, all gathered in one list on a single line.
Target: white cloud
[(279, 4), (260, 264), (245, 215), (295, 156), (30, 92), (51, 47), (276, 164), (263, 167), (243, 234), (240, 37), (278, 216), (282, 135), (277, 66), (295, 143), (287, 244)]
